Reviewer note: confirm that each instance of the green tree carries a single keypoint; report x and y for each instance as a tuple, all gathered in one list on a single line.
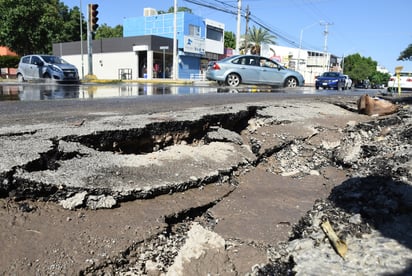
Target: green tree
[(105, 31), (9, 61), (359, 68), (31, 26), (230, 40), (179, 9), (380, 78), (71, 27), (256, 37), (406, 54)]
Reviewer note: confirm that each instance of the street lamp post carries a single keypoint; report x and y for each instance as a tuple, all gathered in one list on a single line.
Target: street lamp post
[(300, 40)]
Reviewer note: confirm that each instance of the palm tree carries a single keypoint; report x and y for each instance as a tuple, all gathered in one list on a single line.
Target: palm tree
[(256, 37)]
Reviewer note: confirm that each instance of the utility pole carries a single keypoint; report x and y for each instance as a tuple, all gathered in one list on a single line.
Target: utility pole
[(247, 27), (175, 51), (325, 48), (239, 10), (81, 38)]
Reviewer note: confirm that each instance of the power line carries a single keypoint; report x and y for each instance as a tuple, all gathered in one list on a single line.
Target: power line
[(271, 29), (211, 6), (226, 4)]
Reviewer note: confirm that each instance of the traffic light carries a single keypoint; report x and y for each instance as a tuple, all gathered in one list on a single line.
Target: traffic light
[(93, 17)]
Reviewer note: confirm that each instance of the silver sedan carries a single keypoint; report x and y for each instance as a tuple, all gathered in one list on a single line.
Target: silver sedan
[(252, 69)]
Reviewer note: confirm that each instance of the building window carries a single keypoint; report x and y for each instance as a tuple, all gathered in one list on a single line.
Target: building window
[(194, 30), (214, 33)]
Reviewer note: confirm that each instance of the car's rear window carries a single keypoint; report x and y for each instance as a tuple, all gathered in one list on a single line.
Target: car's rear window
[(329, 74), (25, 59), (405, 74), (247, 60)]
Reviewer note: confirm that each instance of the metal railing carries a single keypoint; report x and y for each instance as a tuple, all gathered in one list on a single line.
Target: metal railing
[(199, 76)]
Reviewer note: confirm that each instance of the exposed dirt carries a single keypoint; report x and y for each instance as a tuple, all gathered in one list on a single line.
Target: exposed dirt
[(44, 238)]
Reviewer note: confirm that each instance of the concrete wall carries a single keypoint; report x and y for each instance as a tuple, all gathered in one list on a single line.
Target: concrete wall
[(106, 65)]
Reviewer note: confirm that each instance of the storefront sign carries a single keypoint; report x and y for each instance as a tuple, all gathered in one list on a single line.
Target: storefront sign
[(194, 45)]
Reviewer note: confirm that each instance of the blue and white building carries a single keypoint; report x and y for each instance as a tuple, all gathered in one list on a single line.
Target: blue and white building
[(146, 48), (199, 40)]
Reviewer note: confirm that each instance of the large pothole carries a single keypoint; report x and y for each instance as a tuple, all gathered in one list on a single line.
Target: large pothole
[(157, 136)]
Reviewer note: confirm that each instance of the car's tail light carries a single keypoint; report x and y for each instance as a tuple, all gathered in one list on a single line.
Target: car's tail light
[(216, 66), (392, 79), (409, 79)]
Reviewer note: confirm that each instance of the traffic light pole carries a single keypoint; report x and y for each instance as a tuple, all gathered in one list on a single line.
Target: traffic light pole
[(91, 28)]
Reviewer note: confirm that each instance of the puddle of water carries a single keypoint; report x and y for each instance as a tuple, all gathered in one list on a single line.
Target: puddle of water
[(34, 92)]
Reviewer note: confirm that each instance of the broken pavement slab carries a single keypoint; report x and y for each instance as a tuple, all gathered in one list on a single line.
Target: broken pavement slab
[(172, 156)]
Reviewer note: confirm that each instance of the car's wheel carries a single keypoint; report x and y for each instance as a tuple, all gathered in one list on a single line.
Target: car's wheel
[(317, 87), (46, 76), (291, 82), (20, 78), (233, 80)]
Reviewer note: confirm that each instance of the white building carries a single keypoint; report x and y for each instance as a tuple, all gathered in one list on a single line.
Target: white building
[(309, 63)]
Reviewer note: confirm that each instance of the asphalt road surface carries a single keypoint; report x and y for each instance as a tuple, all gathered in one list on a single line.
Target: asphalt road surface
[(226, 174)]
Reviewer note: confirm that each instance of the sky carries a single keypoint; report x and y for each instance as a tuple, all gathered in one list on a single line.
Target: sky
[(379, 29)]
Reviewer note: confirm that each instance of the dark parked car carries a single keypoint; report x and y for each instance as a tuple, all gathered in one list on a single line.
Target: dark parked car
[(331, 80), (364, 84), (252, 69), (34, 67)]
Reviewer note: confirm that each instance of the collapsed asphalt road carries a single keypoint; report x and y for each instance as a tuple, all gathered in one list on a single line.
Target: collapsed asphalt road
[(204, 190)]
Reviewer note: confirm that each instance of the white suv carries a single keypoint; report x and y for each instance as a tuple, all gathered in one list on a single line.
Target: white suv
[(34, 67), (405, 81), (348, 82)]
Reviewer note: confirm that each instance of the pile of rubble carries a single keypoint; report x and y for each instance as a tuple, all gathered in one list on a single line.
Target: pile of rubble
[(371, 212)]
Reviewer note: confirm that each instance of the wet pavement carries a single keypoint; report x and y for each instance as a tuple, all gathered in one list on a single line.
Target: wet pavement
[(52, 91)]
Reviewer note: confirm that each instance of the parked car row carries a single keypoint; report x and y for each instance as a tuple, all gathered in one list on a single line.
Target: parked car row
[(339, 81), (364, 84)]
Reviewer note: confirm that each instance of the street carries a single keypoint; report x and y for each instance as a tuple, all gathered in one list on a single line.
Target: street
[(122, 184)]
